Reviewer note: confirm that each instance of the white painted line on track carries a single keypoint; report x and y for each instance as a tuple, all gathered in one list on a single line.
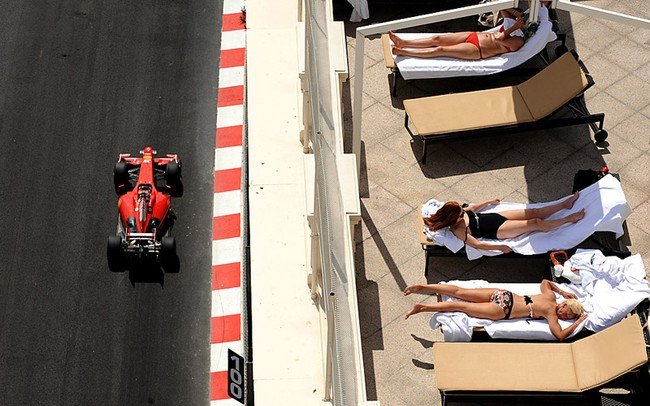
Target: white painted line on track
[(226, 203), (227, 158), (232, 6), (233, 39), (224, 402), (226, 302), (229, 77), (229, 116), (219, 354), (226, 251)]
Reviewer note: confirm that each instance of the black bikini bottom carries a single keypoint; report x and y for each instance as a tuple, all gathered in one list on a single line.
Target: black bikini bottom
[(489, 225)]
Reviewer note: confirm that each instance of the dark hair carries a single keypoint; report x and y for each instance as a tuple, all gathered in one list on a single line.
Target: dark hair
[(530, 29), (446, 216)]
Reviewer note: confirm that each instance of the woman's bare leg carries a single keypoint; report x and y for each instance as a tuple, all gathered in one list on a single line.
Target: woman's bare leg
[(460, 51), (515, 228), (541, 212), (490, 311), (479, 295), (431, 41)]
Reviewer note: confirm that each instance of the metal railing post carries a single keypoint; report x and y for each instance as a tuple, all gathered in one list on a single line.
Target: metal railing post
[(330, 342), (358, 98)]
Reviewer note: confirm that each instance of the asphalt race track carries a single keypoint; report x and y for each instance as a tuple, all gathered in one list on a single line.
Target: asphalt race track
[(80, 82)]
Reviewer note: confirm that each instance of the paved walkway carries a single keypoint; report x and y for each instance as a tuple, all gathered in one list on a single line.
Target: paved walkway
[(532, 167)]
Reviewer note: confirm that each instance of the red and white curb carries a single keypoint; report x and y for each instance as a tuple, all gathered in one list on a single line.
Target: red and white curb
[(227, 295)]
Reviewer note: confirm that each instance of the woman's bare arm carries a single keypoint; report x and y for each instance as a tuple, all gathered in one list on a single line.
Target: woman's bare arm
[(473, 242), (481, 206), (511, 13), (548, 286), (556, 329), (520, 23)]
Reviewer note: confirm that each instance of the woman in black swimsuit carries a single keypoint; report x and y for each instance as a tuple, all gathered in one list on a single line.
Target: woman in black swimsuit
[(468, 225), (499, 304)]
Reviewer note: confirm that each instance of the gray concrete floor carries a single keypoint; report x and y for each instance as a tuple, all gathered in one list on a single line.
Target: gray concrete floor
[(527, 167)]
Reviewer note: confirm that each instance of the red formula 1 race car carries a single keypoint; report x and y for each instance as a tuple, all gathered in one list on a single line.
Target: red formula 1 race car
[(145, 186)]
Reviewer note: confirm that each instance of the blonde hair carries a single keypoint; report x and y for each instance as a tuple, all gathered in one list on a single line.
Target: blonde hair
[(575, 306)]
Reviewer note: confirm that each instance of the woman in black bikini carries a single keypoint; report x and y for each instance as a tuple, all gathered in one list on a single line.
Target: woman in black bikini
[(499, 304), (468, 225)]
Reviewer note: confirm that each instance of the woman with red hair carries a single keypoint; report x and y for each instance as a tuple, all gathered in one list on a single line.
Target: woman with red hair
[(468, 225)]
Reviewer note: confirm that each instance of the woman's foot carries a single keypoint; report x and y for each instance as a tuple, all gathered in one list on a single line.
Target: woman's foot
[(398, 51), (568, 203), (418, 308), (397, 41), (575, 217)]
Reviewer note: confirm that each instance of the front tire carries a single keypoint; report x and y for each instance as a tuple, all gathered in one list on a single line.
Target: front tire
[(173, 177), (120, 177), (114, 253)]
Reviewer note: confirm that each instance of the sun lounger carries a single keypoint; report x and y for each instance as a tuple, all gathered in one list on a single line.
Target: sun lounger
[(527, 106), (539, 369), (605, 208), (410, 68), (609, 287)]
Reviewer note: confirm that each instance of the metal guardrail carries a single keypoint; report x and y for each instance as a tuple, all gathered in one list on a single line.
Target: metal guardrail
[(341, 387)]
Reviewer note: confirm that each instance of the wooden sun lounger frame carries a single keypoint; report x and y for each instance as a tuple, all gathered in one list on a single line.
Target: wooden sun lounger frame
[(432, 250), (579, 111), (638, 378)]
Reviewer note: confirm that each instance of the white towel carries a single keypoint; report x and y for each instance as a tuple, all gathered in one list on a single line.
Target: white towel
[(360, 11), (613, 287), (605, 210)]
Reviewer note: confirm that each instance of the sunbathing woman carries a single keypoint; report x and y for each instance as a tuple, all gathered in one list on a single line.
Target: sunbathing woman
[(468, 225), (498, 304), (465, 45)]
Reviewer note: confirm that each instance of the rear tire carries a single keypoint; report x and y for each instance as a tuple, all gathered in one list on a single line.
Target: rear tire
[(115, 254), (168, 257), (168, 247)]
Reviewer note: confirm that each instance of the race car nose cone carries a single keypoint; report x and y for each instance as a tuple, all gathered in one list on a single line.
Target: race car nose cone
[(147, 150)]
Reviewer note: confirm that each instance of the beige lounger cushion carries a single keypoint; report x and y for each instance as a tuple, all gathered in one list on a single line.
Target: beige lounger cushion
[(554, 86), (532, 100), (467, 111), (388, 55), (547, 367)]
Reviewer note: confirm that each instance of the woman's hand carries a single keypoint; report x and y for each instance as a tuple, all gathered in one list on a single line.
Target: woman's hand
[(505, 249), (568, 295), (582, 318), (412, 289), (519, 23), (495, 201)]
